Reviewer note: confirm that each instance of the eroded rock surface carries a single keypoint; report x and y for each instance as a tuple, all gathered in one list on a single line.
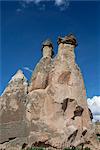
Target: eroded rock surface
[(12, 109), (51, 111)]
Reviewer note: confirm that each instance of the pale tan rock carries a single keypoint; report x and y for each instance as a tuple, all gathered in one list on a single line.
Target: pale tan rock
[(47, 48), (17, 83), (97, 126), (52, 111), (12, 109), (39, 79)]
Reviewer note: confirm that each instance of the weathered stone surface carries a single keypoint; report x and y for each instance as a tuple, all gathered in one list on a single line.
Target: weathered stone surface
[(47, 48), (97, 126), (52, 110), (91, 115), (69, 39), (39, 79), (12, 109)]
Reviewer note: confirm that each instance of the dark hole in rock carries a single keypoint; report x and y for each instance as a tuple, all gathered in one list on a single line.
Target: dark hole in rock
[(98, 134), (4, 142), (73, 118), (87, 142), (90, 113), (24, 145), (78, 112), (72, 136), (71, 100), (12, 138), (84, 132), (64, 104), (42, 144)]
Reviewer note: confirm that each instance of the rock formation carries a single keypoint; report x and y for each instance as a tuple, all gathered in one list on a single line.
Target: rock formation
[(40, 75), (97, 124), (51, 110)]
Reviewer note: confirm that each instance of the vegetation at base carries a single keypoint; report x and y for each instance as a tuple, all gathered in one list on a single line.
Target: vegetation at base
[(97, 122), (37, 148), (77, 148), (98, 137)]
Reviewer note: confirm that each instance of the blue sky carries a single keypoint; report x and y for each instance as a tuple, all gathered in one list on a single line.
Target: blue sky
[(25, 24)]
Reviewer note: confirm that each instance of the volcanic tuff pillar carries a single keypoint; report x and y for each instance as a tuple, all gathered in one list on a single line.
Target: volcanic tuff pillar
[(53, 112), (66, 75), (66, 49), (39, 79), (47, 48)]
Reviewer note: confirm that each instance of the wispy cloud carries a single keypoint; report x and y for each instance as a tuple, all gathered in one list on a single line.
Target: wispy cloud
[(18, 9), (94, 105), (28, 69), (62, 4)]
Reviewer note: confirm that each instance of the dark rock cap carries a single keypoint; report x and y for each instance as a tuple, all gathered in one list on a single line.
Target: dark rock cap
[(49, 44), (69, 39)]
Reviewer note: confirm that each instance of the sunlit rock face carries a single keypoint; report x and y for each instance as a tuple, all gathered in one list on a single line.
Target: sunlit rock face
[(39, 79), (51, 111), (12, 109)]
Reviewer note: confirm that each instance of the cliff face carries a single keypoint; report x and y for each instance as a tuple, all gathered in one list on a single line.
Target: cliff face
[(51, 111)]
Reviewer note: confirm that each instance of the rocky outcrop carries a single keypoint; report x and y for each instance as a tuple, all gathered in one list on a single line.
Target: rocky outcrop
[(12, 109), (51, 111), (39, 79)]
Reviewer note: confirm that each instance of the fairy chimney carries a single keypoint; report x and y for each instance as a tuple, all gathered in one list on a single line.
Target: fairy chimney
[(47, 48), (51, 111), (66, 48)]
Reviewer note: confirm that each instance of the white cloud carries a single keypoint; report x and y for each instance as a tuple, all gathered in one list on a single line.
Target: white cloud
[(29, 1), (62, 4), (28, 69), (94, 105)]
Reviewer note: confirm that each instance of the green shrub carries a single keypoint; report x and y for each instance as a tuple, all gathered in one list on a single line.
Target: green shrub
[(86, 148), (98, 137)]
